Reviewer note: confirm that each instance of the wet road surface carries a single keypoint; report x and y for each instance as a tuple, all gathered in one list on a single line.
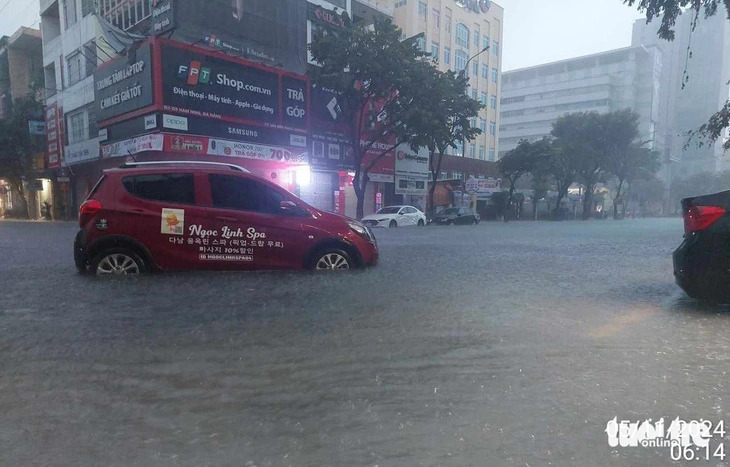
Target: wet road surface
[(502, 344)]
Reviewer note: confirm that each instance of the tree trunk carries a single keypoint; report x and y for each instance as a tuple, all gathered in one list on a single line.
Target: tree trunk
[(615, 199), (534, 207), (508, 211), (556, 213), (361, 184), (588, 202)]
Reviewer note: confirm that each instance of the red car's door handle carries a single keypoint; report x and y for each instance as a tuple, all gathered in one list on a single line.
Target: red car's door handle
[(226, 219)]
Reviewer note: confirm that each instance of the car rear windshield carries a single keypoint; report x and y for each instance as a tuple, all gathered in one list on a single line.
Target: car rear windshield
[(171, 188)]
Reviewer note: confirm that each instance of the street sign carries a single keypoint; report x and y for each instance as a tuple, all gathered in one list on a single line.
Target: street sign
[(471, 185), (36, 128), (63, 180)]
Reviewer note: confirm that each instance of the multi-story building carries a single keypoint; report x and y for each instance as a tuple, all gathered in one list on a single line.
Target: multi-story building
[(21, 74), (71, 39), (694, 86), (533, 98), (456, 33)]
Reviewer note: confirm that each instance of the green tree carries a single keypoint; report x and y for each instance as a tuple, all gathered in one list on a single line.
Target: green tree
[(17, 147), (668, 11), (441, 120), (376, 76), (628, 166), (590, 140), (521, 161), (563, 171)]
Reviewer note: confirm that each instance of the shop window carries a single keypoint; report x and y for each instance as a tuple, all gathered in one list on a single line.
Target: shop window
[(170, 188)]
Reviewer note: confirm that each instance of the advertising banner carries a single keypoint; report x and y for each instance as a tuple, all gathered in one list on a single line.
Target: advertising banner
[(131, 146), (272, 32), (81, 152), (411, 171), (124, 85), (220, 147), (331, 148), (198, 84), (383, 169), (236, 131), (163, 17), (54, 135)]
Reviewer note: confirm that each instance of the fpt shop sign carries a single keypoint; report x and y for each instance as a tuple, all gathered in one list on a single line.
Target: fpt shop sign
[(124, 85), (206, 86)]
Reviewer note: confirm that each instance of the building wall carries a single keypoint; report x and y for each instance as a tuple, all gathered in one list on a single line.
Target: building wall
[(533, 98), (690, 104), (438, 20)]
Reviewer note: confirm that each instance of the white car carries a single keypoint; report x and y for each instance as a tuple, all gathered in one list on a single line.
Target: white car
[(396, 216)]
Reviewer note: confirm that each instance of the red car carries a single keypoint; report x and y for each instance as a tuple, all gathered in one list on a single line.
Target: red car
[(158, 216)]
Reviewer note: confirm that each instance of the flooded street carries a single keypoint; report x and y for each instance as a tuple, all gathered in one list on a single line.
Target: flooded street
[(501, 344)]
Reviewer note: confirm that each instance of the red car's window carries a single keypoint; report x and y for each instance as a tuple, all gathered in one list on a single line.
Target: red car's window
[(231, 192), (171, 188)]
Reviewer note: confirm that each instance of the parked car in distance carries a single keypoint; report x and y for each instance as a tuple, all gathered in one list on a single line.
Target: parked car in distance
[(702, 260), (455, 216), (152, 216), (396, 216)]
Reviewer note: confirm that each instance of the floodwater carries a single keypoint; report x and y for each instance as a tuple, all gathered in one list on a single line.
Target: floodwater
[(496, 345)]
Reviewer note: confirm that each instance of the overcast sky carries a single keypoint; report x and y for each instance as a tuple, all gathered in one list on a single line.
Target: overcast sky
[(535, 31)]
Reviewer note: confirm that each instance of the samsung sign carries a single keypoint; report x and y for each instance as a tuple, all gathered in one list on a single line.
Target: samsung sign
[(124, 85)]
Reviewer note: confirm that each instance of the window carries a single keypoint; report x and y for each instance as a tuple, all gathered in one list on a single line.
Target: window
[(76, 127), (69, 12), (483, 100), (474, 94), (421, 42), (483, 125), (422, 10), (87, 7), (126, 14), (472, 151), (459, 60), (492, 101), (90, 53), (462, 35), (435, 50), (457, 175), (476, 39), (170, 188), (475, 68), (443, 176), (459, 151), (74, 65), (495, 48), (447, 55), (485, 42), (495, 75), (482, 152), (491, 154), (492, 128), (232, 192), (485, 71), (436, 17), (447, 22)]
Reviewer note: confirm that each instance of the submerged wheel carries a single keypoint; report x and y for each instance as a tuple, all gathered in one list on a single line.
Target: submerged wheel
[(333, 259), (393, 224), (117, 261), (421, 223)]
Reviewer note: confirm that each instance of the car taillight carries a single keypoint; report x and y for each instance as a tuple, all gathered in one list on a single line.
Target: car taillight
[(698, 218), (87, 210)]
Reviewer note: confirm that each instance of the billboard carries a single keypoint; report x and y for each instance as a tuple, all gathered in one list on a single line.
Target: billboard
[(124, 85), (54, 135), (331, 148), (411, 171), (199, 84), (273, 32)]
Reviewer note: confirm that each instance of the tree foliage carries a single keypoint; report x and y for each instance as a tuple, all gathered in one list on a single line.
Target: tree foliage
[(17, 147), (591, 141), (526, 158), (441, 119), (374, 72)]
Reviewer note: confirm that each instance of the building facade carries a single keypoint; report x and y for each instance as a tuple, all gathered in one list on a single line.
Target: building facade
[(21, 74), (693, 87), (456, 34), (533, 98)]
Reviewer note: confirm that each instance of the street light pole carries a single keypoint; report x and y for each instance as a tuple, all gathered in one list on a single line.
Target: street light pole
[(465, 73)]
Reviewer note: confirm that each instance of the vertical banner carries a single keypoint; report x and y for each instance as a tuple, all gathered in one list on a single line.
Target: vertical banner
[(54, 135)]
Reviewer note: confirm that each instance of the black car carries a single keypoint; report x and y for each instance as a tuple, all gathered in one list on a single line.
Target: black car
[(702, 261), (455, 216)]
